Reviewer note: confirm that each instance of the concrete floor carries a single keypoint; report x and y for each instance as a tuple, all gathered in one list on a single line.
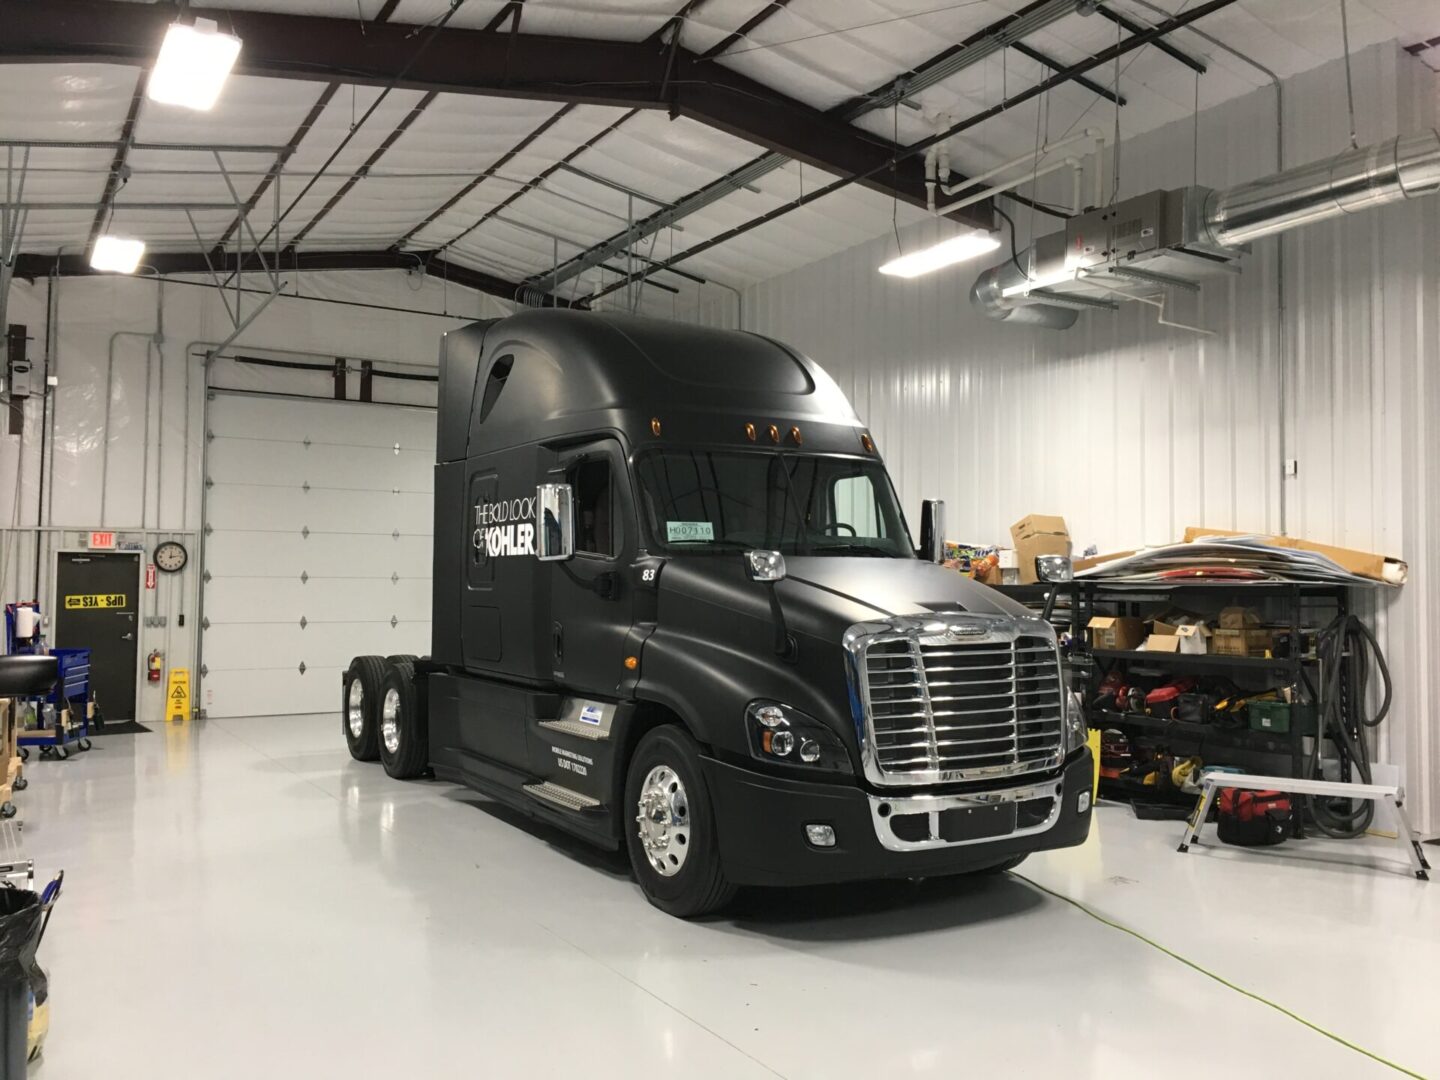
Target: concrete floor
[(243, 900)]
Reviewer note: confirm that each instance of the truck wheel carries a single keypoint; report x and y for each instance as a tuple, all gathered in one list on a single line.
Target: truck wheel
[(404, 734), (670, 826), (359, 705)]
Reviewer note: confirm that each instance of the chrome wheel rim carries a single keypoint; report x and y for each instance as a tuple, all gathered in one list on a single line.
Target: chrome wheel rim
[(355, 709), (390, 721), (663, 821)]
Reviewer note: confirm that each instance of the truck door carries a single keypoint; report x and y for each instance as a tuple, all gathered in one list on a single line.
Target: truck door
[(591, 605)]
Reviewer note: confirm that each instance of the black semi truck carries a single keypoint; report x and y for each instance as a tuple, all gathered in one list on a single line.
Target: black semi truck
[(677, 608)]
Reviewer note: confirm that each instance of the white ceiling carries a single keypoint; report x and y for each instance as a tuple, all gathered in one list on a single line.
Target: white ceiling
[(821, 52)]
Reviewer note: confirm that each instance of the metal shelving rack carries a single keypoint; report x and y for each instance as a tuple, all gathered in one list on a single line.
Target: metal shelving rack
[(1294, 605)]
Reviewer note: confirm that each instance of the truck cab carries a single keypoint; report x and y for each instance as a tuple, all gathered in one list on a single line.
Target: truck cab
[(677, 608)]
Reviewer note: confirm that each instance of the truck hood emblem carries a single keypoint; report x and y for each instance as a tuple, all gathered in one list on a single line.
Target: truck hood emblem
[(964, 630)]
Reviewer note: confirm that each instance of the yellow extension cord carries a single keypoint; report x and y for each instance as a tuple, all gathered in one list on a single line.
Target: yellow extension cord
[(1220, 979)]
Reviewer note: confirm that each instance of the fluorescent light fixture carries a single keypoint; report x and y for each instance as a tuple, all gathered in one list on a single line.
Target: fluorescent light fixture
[(956, 249), (117, 254), (193, 65)]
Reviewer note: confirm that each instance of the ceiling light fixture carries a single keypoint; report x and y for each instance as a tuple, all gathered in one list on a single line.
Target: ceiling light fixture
[(117, 254), (194, 62), (946, 253)]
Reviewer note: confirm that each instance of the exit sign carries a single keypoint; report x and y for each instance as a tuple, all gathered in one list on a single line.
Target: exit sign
[(102, 539)]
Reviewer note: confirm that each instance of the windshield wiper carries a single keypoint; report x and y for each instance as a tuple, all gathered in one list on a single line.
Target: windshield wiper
[(853, 549)]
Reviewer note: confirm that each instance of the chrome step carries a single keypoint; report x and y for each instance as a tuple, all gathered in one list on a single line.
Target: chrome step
[(560, 796), (577, 728)]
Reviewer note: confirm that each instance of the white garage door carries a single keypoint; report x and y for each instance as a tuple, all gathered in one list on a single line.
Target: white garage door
[(317, 548)]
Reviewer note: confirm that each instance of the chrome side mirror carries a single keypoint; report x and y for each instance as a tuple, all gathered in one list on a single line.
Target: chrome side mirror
[(765, 565), (555, 522), (932, 530)]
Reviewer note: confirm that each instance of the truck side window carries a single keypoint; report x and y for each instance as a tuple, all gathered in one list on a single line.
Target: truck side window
[(854, 504), (494, 383), (595, 520)]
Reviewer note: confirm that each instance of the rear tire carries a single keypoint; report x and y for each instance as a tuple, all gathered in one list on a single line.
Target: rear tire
[(668, 805), (403, 723), (359, 707)]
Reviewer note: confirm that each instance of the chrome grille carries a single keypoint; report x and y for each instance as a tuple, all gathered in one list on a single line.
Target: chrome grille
[(940, 707)]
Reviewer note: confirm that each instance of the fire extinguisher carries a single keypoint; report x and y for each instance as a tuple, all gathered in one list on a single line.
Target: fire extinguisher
[(154, 666)]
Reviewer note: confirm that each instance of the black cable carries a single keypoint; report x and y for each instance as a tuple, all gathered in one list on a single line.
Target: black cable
[(1345, 649), (1014, 252)]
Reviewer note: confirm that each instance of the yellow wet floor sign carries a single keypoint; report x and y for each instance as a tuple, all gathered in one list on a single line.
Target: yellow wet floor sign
[(177, 695)]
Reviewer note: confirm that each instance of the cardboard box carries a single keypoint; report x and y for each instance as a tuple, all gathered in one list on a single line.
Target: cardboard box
[(1367, 564), (1035, 535), (1095, 560), (1251, 642), (1116, 632), (1168, 643), (1238, 618), (1194, 638)]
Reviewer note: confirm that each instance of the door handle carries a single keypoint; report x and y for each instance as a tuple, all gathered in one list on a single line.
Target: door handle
[(127, 637), (557, 641)]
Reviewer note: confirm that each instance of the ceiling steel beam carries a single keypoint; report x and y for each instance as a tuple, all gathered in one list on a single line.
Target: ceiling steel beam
[(365, 167), (1080, 80), (1147, 37), (577, 70), (116, 177), (725, 44), (1197, 66), (34, 266), (986, 41)]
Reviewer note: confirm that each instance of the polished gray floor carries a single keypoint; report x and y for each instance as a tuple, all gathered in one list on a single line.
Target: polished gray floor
[(244, 901)]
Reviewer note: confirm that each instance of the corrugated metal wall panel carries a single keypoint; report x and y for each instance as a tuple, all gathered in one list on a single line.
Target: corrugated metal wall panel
[(1134, 431)]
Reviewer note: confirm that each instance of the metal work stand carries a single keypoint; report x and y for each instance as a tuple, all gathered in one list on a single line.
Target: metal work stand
[(1391, 795)]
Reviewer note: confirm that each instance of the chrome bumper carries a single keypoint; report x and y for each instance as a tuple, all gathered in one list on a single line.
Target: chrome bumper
[(886, 810)]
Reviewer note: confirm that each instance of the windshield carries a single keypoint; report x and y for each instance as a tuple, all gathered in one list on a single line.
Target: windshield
[(698, 501)]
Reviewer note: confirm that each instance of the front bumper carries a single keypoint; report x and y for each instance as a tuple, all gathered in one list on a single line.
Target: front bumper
[(761, 824)]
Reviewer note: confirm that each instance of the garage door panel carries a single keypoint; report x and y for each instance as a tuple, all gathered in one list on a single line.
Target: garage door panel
[(347, 579), (320, 510), (259, 554), (319, 601), (265, 463), (295, 420)]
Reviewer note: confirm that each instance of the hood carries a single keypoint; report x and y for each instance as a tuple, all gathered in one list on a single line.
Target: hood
[(823, 596), (891, 587)]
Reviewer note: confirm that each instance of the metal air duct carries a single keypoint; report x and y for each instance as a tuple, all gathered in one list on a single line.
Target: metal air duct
[(1178, 238)]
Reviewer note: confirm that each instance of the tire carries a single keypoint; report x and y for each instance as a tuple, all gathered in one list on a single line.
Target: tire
[(403, 724), (359, 712), (666, 763)]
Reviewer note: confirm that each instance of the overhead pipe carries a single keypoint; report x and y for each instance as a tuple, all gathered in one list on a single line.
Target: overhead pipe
[(1406, 167)]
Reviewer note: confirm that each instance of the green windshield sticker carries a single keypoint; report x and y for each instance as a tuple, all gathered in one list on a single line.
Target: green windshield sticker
[(689, 530)]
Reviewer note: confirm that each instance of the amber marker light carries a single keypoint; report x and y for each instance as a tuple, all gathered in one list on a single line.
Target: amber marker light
[(631, 663), (750, 432), (795, 435), (774, 434), (655, 425), (867, 442)]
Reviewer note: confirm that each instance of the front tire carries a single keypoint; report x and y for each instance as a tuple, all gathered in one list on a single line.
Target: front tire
[(359, 706), (669, 824), (403, 724)]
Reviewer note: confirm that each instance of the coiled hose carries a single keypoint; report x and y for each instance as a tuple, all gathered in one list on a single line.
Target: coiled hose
[(1346, 648)]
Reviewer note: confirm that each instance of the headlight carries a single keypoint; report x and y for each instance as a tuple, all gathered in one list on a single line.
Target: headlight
[(779, 733), (1077, 731)]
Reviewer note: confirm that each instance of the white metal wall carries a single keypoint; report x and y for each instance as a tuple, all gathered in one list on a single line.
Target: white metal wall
[(1132, 431)]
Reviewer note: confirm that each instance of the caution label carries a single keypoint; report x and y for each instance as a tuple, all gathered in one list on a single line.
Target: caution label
[(82, 601), (177, 694)]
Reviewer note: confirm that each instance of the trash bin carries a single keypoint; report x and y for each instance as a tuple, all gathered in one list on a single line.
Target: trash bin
[(20, 913)]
